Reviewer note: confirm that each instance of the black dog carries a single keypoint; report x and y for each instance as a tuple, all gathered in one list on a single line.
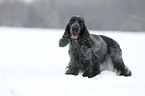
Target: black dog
[(90, 54)]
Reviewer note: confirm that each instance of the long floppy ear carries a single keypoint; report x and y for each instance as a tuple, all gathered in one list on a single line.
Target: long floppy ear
[(66, 37), (86, 40)]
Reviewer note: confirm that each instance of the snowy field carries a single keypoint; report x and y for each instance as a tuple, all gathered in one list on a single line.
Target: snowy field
[(32, 64)]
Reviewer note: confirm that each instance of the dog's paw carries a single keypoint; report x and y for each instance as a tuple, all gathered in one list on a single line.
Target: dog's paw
[(89, 75), (127, 73), (68, 73)]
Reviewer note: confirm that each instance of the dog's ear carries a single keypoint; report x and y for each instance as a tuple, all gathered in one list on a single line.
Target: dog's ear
[(66, 37), (86, 40)]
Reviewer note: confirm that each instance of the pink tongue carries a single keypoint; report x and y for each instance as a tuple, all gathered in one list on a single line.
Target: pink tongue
[(74, 36)]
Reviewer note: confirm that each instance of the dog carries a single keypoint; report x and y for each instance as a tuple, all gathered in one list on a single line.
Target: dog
[(91, 54)]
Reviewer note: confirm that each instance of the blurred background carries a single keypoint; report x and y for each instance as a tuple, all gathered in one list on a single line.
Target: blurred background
[(123, 15)]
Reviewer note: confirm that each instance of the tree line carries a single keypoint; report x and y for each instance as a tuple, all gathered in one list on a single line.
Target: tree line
[(123, 15)]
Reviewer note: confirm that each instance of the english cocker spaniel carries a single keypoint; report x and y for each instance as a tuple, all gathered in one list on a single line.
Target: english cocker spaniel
[(91, 54)]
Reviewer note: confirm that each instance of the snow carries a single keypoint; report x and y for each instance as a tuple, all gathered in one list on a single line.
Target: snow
[(32, 64)]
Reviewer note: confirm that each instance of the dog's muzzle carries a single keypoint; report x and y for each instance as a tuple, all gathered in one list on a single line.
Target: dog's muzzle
[(75, 31)]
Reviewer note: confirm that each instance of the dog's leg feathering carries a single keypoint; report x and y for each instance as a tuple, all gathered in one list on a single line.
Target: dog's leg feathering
[(72, 68), (118, 63)]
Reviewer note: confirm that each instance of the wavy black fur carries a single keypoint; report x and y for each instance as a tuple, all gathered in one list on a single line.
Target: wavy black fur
[(90, 54)]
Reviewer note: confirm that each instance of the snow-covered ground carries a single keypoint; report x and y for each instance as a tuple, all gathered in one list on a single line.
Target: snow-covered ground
[(32, 64)]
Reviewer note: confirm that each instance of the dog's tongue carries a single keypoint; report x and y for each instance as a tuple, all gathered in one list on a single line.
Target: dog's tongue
[(74, 36)]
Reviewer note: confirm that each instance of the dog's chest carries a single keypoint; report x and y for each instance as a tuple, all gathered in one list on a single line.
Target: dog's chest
[(87, 52), (81, 52)]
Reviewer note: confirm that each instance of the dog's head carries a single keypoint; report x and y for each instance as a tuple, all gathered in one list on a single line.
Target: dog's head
[(76, 25), (75, 31)]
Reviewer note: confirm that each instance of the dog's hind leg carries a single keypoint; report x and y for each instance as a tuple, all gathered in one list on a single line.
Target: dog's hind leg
[(119, 66)]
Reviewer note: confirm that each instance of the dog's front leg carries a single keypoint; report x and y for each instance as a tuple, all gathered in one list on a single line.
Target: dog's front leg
[(91, 70), (73, 68)]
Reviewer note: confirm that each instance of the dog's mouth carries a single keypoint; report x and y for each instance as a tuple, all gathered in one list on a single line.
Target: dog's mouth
[(74, 36)]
